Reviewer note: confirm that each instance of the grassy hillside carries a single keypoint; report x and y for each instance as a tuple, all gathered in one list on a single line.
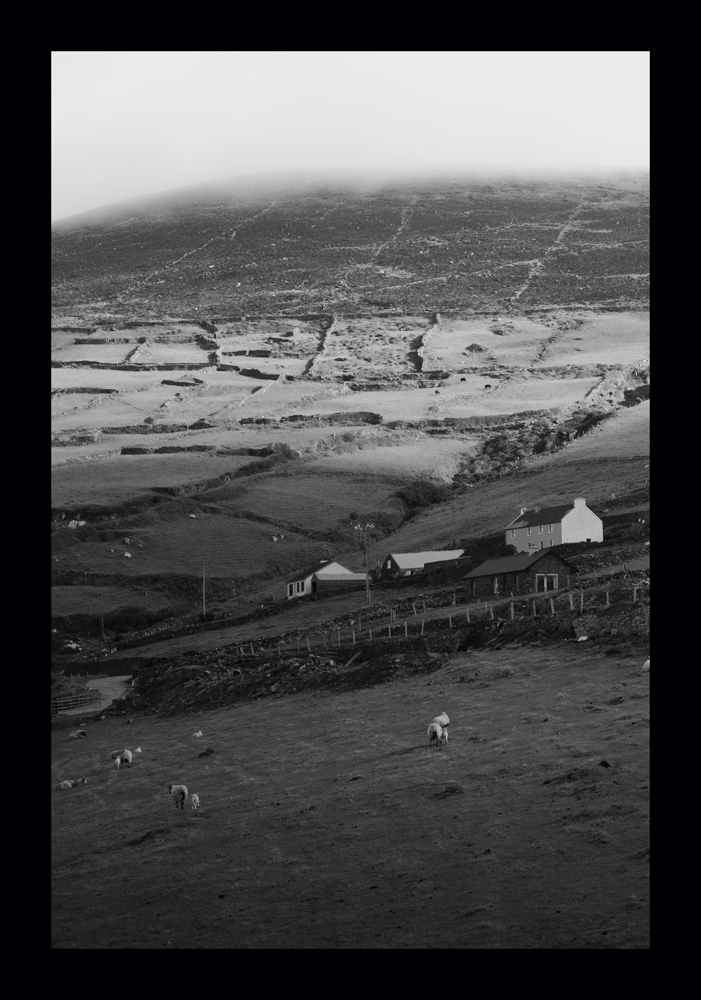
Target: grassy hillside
[(517, 825)]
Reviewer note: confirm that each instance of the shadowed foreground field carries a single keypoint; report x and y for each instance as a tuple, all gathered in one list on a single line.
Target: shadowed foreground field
[(328, 822)]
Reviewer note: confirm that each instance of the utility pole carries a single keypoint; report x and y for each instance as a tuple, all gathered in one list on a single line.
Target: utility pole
[(203, 603), (102, 617), (364, 528)]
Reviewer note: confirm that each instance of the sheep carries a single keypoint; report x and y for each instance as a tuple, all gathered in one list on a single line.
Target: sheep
[(442, 719), (198, 733), (444, 736), (646, 666), (118, 763), (77, 735), (116, 753), (80, 781), (66, 784), (434, 733), (195, 801), (127, 755), (179, 793)]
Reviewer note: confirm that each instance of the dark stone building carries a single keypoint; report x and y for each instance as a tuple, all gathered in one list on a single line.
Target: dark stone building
[(520, 574)]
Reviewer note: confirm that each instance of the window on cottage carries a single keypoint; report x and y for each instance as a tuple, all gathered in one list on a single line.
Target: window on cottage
[(389, 563), (530, 530), (542, 545), (290, 589), (513, 533), (551, 543), (550, 528), (545, 581), (496, 584), (540, 528)]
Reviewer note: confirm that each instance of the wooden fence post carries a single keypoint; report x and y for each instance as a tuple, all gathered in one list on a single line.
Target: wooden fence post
[(353, 631), (552, 607), (339, 637), (455, 599), (608, 601), (512, 609), (389, 631), (309, 648), (635, 594), (534, 614), (406, 630), (370, 631), (422, 626), (424, 600), (414, 608), (491, 611), (571, 602), (467, 614), (581, 602), (450, 621), (252, 652)]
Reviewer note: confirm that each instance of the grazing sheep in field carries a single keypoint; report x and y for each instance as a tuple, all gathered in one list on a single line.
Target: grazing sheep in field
[(66, 784), (80, 781), (79, 734), (646, 666), (434, 733), (179, 793), (116, 753), (118, 762), (198, 733), (442, 719), (195, 801)]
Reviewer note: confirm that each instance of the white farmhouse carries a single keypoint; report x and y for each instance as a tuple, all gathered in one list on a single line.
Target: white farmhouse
[(545, 527)]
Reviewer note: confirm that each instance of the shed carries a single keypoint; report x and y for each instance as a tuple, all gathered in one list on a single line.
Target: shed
[(410, 563)]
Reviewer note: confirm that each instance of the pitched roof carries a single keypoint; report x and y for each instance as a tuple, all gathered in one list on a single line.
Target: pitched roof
[(417, 560), (316, 568), (546, 515), (512, 564)]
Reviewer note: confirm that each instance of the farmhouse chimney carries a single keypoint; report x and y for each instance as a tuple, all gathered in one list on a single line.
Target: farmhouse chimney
[(580, 502), (524, 509)]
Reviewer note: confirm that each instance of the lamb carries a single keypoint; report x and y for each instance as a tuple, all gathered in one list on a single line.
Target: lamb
[(195, 801), (118, 762), (77, 735), (179, 793), (646, 666), (434, 733), (444, 736)]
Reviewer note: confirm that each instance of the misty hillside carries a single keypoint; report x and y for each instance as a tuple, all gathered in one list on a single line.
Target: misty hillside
[(239, 249)]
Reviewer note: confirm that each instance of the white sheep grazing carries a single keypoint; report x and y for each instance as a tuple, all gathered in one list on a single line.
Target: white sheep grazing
[(198, 733), (77, 735), (127, 756), (434, 733), (442, 719), (118, 762), (66, 784), (646, 666), (179, 793), (195, 801), (444, 736), (80, 781)]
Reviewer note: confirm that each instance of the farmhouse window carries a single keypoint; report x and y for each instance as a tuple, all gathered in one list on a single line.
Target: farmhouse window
[(540, 528), (290, 589), (551, 543), (513, 532), (496, 584), (389, 564), (542, 545), (545, 581), (550, 528), (300, 587), (530, 530)]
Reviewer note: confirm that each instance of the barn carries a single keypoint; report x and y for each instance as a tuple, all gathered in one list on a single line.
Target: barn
[(520, 574)]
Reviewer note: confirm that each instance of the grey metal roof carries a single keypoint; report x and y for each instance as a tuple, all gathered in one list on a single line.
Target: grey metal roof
[(315, 569), (513, 564), (417, 560)]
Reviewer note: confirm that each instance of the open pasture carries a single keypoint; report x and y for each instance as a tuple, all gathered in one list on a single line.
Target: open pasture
[(96, 600), (514, 342), (326, 821), (439, 459), (608, 338), (113, 480)]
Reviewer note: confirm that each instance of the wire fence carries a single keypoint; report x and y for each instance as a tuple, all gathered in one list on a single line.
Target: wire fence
[(61, 705)]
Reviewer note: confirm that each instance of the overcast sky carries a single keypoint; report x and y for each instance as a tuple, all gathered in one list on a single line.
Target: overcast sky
[(135, 123)]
